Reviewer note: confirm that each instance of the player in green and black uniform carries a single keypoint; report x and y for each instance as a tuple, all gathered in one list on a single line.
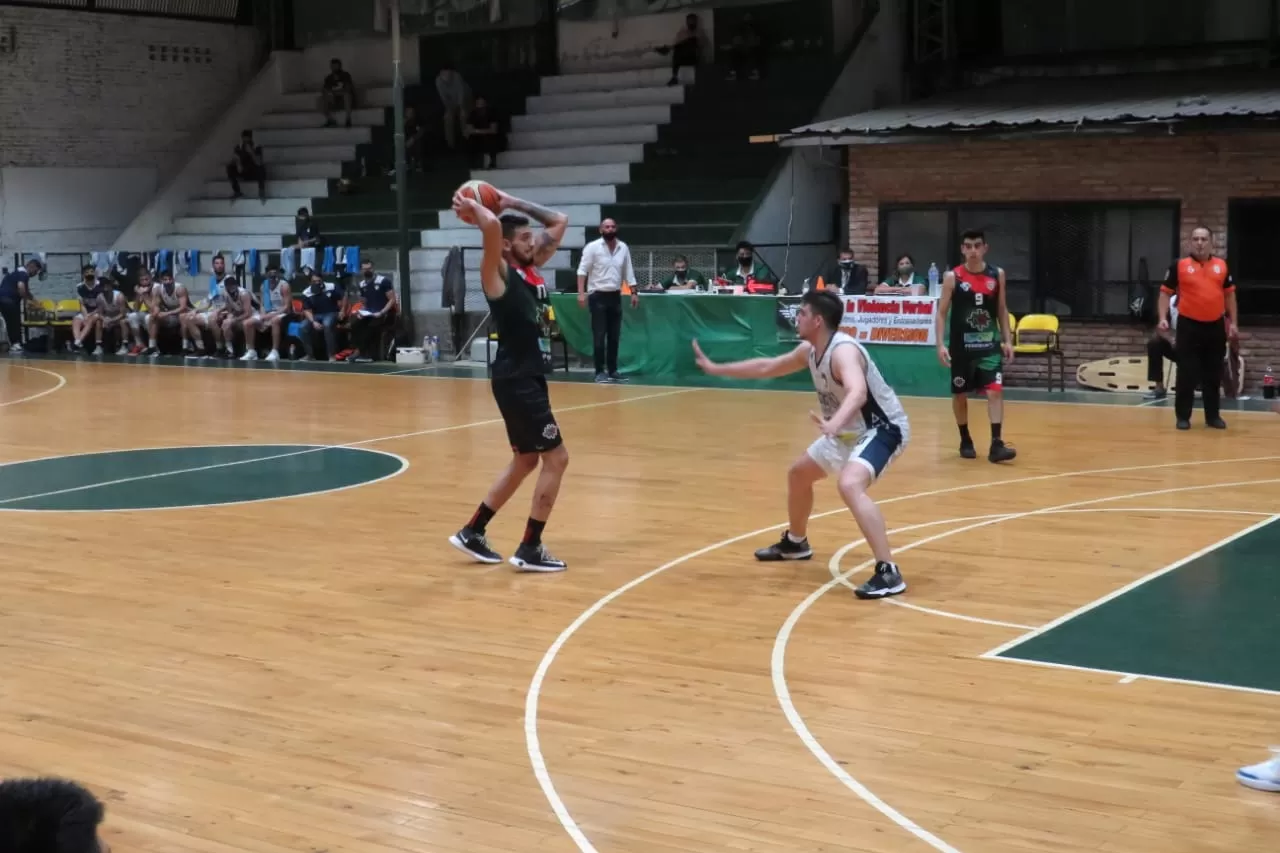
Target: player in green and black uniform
[(517, 298), (974, 296)]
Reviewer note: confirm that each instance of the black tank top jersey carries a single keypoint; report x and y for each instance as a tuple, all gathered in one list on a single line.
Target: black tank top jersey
[(520, 315), (975, 320)]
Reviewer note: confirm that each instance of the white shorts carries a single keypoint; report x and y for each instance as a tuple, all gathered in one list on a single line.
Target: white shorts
[(874, 449), (137, 320)]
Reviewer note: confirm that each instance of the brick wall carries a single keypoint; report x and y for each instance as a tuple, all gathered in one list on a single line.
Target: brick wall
[(1083, 342), (88, 89), (1200, 170)]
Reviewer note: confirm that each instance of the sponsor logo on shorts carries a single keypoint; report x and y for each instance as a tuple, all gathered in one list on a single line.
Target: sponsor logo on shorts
[(958, 382), (550, 431)]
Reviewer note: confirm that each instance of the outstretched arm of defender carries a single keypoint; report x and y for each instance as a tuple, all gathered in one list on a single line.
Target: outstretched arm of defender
[(940, 322), (493, 273), (754, 368), (553, 225)]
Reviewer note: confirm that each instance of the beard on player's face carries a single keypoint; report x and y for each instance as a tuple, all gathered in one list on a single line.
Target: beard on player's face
[(521, 251)]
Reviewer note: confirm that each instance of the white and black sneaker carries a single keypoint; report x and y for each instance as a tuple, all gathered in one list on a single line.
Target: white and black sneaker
[(475, 546), (534, 558), (786, 549), (885, 582)]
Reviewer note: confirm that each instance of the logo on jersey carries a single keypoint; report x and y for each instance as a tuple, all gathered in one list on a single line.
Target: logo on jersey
[(958, 382), (1217, 270), (550, 431), (964, 285), (979, 319)]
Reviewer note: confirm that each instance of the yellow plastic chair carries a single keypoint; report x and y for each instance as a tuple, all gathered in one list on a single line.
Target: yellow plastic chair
[(1046, 343)]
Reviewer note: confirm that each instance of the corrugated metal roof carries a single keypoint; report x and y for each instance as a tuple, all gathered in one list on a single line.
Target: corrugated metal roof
[(1026, 104)]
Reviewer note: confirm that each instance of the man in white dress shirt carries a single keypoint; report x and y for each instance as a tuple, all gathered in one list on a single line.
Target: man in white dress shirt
[(604, 271)]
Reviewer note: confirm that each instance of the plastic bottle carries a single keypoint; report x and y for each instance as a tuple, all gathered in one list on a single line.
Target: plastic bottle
[(934, 279)]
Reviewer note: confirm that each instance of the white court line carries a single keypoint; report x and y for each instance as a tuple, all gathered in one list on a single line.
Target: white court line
[(62, 380), (309, 449), (778, 660), (338, 370), (1129, 679), (533, 743), (1129, 587)]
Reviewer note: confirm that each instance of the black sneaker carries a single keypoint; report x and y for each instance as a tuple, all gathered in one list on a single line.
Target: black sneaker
[(1183, 423), (785, 549), (967, 450), (616, 379), (602, 379), (534, 558), (1156, 395), (475, 546), (1001, 452), (1215, 423), (885, 582)]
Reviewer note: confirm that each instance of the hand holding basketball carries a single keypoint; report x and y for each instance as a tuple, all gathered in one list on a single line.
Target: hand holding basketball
[(475, 194)]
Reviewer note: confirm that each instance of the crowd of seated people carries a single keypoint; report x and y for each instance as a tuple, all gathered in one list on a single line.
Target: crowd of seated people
[(160, 314)]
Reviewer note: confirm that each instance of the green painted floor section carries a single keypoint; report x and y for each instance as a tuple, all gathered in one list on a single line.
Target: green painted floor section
[(470, 370), (1212, 619), (166, 478)]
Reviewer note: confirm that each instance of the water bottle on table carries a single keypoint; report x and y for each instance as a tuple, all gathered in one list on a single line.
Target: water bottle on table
[(934, 279)]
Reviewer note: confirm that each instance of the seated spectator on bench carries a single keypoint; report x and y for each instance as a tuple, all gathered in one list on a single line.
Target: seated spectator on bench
[(169, 302), (323, 302), (113, 308), (49, 816), (208, 316), (377, 312), (337, 93), (139, 305), (484, 135), (90, 317), (747, 50), (237, 309), (246, 162), (687, 47), (276, 314), (15, 289), (452, 89)]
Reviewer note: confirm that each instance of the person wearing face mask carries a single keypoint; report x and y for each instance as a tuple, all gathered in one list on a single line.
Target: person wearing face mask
[(90, 318), (604, 271), (305, 229), (377, 311), (749, 269), (846, 275), (906, 282), (683, 278)]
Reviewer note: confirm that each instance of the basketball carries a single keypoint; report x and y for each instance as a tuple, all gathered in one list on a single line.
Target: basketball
[(481, 192)]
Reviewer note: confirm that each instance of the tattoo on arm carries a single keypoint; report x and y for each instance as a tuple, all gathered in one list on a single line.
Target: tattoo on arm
[(544, 215)]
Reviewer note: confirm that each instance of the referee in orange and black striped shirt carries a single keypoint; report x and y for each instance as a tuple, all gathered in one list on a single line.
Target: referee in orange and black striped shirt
[(1206, 294)]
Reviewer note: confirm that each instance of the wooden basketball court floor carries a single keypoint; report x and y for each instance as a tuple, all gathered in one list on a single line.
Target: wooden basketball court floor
[(229, 608)]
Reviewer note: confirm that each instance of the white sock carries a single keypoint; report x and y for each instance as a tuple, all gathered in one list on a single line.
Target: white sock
[(792, 538)]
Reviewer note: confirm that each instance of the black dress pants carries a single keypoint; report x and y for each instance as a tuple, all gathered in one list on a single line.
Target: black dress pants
[(1158, 349), (1201, 348), (606, 328)]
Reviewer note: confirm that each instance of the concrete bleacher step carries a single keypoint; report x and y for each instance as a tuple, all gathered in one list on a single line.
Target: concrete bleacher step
[(301, 102), (218, 242), (561, 196), (601, 81), (303, 171), (280, 155), (313, 118), (265, 225), (431, 260), (576, 156), (282, 189), (642, 97), (550, 176), (579, 214), (471, 238), (630, 134), (566, 119), (247, 207), (313, 136)]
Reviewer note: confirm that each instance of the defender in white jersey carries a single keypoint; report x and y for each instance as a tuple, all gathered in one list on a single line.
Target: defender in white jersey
[(863, 424)]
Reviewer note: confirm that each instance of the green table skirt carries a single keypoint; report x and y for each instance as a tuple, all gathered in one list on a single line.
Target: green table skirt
[(656, 342)]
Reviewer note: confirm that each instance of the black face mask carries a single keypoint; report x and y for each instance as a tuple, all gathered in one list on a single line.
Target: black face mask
[(744, 260), (905, 271), (368, 275), (680, 274), (846, 265)]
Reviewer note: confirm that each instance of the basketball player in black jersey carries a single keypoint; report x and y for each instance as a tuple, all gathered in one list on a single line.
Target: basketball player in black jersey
[(517, 298)]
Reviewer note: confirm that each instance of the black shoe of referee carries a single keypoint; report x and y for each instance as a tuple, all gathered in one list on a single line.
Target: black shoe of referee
[(475, 546), (1215, 423)]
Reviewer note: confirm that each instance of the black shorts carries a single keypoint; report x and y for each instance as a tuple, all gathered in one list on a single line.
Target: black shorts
[(526, 411), (975, 374)]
